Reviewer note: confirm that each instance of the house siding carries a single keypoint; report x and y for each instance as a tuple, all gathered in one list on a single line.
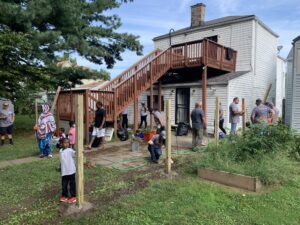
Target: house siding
[(296, 88), (265, 56), (195, 96), (240, 88), (289, 91), (237, 36), (279, 91)]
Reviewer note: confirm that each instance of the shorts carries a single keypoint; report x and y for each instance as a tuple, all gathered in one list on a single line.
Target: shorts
[(6, 130), (98, 132)]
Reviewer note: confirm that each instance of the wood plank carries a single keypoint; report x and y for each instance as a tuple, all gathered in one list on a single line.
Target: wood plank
[(79, 149), (55, 99), (217, 120), (230, 179), (168, 136)]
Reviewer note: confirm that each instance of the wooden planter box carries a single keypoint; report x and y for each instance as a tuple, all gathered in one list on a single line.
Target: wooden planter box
[(231, 179)]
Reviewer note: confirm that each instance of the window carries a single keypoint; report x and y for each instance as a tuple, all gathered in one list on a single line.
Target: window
[(155, 102)]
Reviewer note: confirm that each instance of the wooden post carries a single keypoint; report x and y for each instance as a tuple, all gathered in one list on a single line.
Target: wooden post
[(267, 93), (204, 82), (217, 119), (283, 110), (79, 147), (87, 116), (57, 116), (55, 99), (135, 105), (169, 140), (36, 110), (159, 96), (115, 113), (151, 96), (244, 115)]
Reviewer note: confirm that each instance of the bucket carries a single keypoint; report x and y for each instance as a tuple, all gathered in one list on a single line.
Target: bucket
[(135, 146)]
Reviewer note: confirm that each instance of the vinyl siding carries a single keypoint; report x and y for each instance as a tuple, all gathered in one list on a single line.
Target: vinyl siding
[(265, 56), (289, 92), (195, 96), (237, 36), (296, 89), (241, 88), (279, 91)]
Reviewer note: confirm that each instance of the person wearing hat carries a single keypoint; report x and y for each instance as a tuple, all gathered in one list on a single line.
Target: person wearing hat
[(46, 124), (143, 113), (7, 119)]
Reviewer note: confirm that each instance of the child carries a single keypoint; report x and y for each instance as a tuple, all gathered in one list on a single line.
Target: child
[(154, 146), (72, 134), (44, 142), (68, 171), (62, 136)]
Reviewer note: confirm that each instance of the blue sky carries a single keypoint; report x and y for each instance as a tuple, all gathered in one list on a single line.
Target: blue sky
[(155, 17)]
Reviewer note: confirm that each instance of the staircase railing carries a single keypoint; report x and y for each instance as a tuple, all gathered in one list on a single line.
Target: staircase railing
[(130, 71), (141, 80)]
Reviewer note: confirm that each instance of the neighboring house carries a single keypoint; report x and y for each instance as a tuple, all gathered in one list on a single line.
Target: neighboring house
[(292, 107), (256, 46), (233, 56), (280, 84)]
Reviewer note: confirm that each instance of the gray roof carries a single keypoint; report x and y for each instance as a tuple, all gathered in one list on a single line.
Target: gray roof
[(296, 39), (227, 20), (223, 79)]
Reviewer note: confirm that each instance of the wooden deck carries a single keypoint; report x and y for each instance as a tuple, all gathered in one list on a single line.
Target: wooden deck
[(123, 90)]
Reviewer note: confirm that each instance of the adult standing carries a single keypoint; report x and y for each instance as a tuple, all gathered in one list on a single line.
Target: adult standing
[(274, 117), (47, 122), (198, 124), (221, 122), (234, 114), (159, 118), (261, 113), (143, 113), (7, 119), (125, 119), (99, 125)]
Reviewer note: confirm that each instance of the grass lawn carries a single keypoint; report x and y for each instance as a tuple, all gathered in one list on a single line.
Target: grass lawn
[(24, 140), (30, 192)]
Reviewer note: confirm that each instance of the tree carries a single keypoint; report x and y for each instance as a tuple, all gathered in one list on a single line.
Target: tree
[(33, 32), (69, 25)]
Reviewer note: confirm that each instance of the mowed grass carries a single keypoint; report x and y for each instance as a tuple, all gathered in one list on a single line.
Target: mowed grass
[(30, 192), (24, 140)]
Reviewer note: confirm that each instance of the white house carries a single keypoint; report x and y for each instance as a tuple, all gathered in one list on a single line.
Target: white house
[(292, 108), (256, 46)]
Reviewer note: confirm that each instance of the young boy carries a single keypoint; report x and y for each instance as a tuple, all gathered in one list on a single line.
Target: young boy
[(154, 146), (43, 141), (62, 136), (68, 171)]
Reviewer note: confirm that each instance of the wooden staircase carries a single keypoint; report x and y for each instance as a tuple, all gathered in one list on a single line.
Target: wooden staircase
[(120, 92)]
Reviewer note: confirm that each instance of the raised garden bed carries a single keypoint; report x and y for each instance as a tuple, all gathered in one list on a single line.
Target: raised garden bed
[(231, 179)]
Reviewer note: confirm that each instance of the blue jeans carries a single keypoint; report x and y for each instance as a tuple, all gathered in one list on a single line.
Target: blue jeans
[(45, 145), (155, 152), (233, 128)]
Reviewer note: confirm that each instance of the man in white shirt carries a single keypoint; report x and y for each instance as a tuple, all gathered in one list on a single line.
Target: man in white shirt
[(143, 113)]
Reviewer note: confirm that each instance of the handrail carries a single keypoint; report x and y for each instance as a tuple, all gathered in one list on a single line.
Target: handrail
[(130, 68), (142, 67)]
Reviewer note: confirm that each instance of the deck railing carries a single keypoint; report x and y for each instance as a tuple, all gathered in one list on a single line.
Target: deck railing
[(122, 90)]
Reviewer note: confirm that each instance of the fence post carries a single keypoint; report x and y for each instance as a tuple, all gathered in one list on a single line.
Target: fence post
[(244, 114), (169, 140), (79, 147), (217, 120)]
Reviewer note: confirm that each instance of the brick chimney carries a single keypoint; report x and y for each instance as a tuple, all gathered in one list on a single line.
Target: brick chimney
[(197, 14)]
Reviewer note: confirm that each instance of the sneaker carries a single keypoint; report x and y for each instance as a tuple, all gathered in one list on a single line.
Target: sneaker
[(63, 199), (72, 200), (11, 142), (50, 156), (42, 156)]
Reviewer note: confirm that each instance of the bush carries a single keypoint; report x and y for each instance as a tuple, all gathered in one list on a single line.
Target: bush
[(261, 151)]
